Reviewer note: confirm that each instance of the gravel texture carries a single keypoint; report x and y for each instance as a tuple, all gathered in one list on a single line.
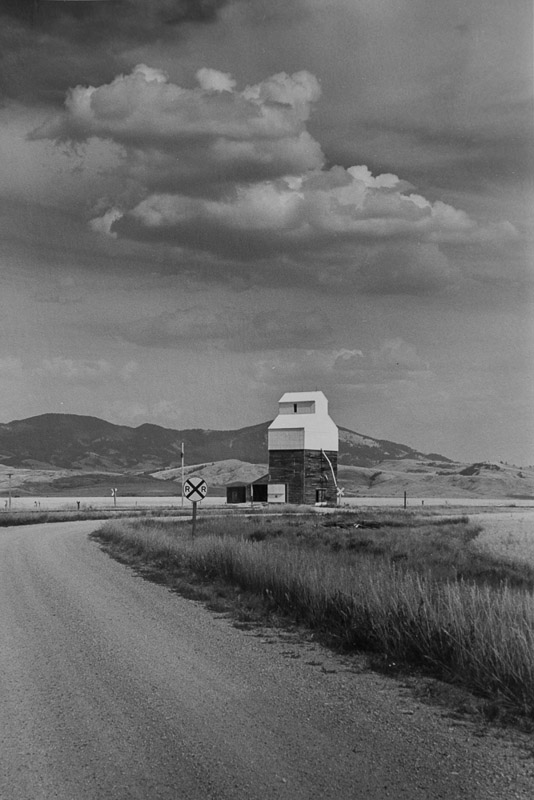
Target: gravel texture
[(113, 687)]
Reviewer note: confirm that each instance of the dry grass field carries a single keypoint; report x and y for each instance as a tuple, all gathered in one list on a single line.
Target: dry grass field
[(412, 588), (507, 535)]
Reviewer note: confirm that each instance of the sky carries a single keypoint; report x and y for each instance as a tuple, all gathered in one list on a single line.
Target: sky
[(207, 203)]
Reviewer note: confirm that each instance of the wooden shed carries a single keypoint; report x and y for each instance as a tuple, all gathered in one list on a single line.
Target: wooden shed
[(255, 492)]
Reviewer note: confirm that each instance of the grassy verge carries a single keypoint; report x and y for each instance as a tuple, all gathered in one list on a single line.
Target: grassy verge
[(413, 589), (7, 519), (31, 517)]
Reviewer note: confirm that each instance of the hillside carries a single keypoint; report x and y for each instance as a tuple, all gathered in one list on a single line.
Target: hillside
[(69, 441), (364, 451), (64, 454), (423, 478), (418, 478)]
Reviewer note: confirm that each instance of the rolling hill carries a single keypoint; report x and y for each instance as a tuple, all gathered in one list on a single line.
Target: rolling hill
[(70, 441), (68, 454)]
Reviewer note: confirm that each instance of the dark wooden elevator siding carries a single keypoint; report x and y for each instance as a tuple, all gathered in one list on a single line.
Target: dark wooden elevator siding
[(303, 471)]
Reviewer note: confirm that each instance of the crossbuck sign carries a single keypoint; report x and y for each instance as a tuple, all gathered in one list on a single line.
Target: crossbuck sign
[(195, 489)]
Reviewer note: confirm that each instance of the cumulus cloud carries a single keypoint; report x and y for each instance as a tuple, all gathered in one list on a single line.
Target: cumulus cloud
[(213, 80), (103, 224), (145, 107), (209, 134), (307, 213), (235, 172)]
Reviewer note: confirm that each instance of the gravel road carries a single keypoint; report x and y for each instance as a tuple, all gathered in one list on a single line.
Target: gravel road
[(113, 688)]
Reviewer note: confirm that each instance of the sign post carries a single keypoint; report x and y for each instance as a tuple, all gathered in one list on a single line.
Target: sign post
[(195, 489), (194, 519), (182, 456)]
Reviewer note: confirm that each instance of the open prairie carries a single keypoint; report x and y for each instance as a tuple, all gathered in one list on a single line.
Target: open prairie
[(507, 534), (484, 506), (419, 478)]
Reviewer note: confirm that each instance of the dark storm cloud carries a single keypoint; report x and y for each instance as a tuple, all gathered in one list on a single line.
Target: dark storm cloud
[(49, 45)]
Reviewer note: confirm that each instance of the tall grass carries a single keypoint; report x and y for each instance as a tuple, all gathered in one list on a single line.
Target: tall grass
[(479, 634), (10, 518)]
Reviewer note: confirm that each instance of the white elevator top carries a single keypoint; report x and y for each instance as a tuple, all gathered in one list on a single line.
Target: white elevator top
[(303, 423)]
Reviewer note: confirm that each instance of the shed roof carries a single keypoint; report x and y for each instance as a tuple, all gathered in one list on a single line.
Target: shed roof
[(262, 479)]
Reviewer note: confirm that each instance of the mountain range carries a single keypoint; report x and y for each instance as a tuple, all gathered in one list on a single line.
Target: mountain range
[(70, 455), (71, 441)]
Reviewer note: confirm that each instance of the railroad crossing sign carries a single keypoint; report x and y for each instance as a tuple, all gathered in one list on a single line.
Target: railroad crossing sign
[(195, 489)]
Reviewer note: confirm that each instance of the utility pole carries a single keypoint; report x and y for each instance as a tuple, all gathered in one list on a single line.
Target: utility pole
[(9, 474), (183, 456)]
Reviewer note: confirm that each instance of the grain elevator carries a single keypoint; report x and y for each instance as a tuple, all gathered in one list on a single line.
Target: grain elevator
[(303, 446)]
